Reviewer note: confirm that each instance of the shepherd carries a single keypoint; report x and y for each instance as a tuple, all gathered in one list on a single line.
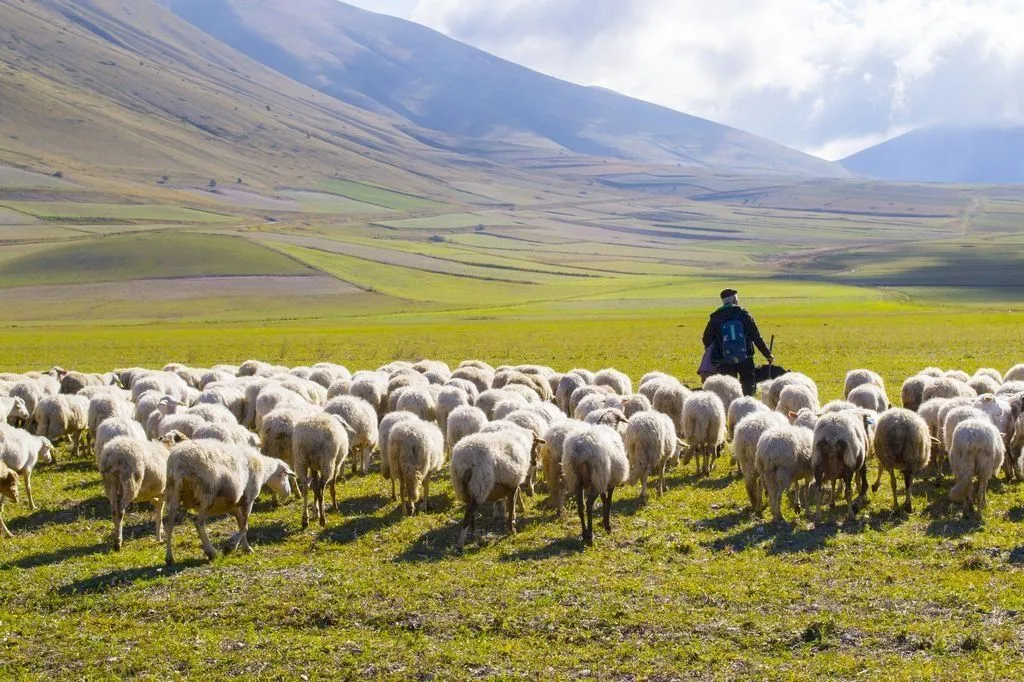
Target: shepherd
[(729, 341)]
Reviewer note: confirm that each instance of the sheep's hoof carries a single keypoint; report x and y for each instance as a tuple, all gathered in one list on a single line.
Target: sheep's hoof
[(875, 487), (169, 560), (248, 550), (117, 546), (608, 527), (908, 507)]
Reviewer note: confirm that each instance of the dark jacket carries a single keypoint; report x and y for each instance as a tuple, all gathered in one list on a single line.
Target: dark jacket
[(713, 332)]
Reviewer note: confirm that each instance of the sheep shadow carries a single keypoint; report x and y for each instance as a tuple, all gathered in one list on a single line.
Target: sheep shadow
[(783, 537), (369, 504), (77, 465), (273, 533), (355, 527), (724, 522), (434, 545), (954, 526), (111, 580), (57, 556), (1016, 556), (561, 547), (93, 508), (1015, 514)]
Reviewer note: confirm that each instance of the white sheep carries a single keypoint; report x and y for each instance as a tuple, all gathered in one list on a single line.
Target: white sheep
[(277, 429), (8, 491), (487, 467), (462, 422), (415, 451), (740, 408), (953, 417), (230, 397), (840, 452), (796, 397), (861, 377), (650, 442), (216, 478), (1015, 373), (1001, 412), (116, 428), (490, 399), (62, 416), (363, 432), (783, 458), (946, 387), (744, 444), (391, 420), (135, 470), (984, 384), (229, 433), (21, 452), (419, 401), (912, 391), (320, 446), (551, 460), (594, 463), (776, 386), (448, 399), (650, 386), (902, 443), (566, 385), (725, 387), (703, 422), (481, 377), (615, 380), (373, 389), (669, 400), (635, 404), (13, 410), (975, 454), (869, 397), (593, 403), (467, 386)]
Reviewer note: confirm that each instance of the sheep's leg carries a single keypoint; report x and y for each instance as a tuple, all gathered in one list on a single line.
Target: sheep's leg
[(519, 500), (591, 498), (393, 496), (172, 512), (582, 514), (558, 493), (232, 544), (158, 517), (403, 493), (243, 526), (204, 537), (4, 530), (304, 491), (468, 524), (862, 493), (426, 493), (643, 487), (334, 494), (908, 482), (878, 479), (28, 489), (982, 489), (750, 484), (607, 504), (514, 497), (320, 487), (895, 500), (357, 455), (661, 477), (118, 511), (848, 479)]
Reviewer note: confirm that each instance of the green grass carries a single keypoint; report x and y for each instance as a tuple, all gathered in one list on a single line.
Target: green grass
[(380, 196), (691, 584), (147, 256), (66, 210), (448, 222)]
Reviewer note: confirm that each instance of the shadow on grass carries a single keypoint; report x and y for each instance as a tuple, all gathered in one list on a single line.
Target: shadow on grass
[(93, 508), (561, 547), (434, 545), (77, 465), (104, 582), (57, 556), (273, 533), (353, 527), (724, 522)]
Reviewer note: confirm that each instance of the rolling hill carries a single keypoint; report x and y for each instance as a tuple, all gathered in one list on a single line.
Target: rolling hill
[(956, 154), (474, 102), (124, 89)]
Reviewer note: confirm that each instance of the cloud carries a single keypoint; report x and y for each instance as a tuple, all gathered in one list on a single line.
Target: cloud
[(818, 75)]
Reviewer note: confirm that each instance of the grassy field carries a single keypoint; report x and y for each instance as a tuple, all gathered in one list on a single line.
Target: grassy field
[(690, 586)]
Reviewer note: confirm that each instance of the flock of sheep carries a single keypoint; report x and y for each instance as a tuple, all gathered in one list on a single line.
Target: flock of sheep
[(209, 440)]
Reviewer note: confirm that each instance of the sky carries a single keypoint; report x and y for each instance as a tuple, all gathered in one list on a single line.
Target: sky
[(829, 77)]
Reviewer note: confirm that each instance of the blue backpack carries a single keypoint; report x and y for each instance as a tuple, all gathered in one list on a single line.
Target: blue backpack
[(734, 342)]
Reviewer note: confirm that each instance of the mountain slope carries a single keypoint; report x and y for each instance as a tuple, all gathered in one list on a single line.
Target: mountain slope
[(125, 89), (971, 155), (391, 66)]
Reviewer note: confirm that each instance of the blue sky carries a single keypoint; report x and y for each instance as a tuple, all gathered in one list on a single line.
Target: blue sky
[(825, 76)]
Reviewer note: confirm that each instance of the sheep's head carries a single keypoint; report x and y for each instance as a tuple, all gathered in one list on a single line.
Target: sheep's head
[(281, 479), (18, 410), (46, 451), (57, 372), (172, 438), (9, 486), (168, 405), (538, 443)]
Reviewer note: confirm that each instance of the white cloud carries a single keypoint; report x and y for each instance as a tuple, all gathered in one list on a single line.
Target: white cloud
[(821, 75)]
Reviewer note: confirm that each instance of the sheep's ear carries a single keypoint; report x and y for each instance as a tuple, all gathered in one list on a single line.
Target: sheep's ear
[(793, 415), (936, 441), (11, 479)]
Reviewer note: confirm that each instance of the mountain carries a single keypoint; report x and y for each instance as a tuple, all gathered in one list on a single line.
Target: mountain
[(394, 67), (125, 89), (957, 154)]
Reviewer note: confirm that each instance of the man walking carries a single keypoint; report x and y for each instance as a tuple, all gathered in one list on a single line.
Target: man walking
[(731, 335)]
